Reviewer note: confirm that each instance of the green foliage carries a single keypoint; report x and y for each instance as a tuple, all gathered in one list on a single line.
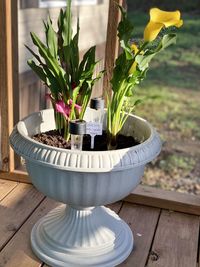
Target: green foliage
[(144, 59), (57, 65), (172, 162), (174, 77), (182, 5), (130, 69)]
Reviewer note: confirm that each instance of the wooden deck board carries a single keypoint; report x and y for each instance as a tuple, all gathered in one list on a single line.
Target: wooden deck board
[(176, 241), (18, 251), (15, 209), (142, 221), (164, 199), (6, 187), (162, 238)]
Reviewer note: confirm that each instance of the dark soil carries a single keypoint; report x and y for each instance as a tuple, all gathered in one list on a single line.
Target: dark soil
[(53, 138), (100, 142)]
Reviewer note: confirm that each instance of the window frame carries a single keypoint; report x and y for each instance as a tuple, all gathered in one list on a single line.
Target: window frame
[(55, 3)]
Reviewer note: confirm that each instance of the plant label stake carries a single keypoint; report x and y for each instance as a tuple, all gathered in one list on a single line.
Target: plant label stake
[(77, 128), (95, 127)]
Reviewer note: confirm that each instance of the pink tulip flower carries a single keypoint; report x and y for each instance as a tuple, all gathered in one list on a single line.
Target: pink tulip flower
[(62, 108)]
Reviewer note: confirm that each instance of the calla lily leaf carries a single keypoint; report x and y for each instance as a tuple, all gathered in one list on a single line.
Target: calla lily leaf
[(168, 40), (144, 60)]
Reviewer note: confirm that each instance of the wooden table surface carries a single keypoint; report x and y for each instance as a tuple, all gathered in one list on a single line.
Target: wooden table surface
[(163, 238)]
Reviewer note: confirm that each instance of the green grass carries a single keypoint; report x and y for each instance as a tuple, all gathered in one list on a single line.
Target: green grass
[(174, 162), (173, 80), (172, 95)]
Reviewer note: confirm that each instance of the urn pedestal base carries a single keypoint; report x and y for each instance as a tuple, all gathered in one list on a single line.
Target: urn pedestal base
[(85, 237)]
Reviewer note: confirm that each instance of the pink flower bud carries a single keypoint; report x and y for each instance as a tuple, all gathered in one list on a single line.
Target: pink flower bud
[(62, 108)]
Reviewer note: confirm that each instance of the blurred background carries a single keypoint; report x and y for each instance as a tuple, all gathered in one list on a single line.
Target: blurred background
[(173, 85)]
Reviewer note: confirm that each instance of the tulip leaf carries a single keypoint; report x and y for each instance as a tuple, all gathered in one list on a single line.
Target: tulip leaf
[(88, 59), (51, 38), (60, 19), (38, 70), (54, 86), (34, 54), (67, 25), (44, 52), (75, 52), (60, 38), (51, 62)]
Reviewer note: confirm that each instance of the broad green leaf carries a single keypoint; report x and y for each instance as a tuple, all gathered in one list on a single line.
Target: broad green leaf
[(144, 60), (168, 40), (125, 27), (127, 50)]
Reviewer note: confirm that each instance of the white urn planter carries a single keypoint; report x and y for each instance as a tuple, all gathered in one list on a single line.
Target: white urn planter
[(83, 233)]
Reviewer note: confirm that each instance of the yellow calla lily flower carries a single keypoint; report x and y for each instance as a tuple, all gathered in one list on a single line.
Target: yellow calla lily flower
[(135, 49), (160, 19), (133, 68)]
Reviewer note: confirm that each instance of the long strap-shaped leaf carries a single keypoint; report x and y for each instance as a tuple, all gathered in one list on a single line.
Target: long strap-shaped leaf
[(51, 62), (67, 25), (38, 70), (51, 38)]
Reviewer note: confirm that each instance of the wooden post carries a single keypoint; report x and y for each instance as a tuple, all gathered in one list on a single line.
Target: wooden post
[(112, 43), (8, 77)]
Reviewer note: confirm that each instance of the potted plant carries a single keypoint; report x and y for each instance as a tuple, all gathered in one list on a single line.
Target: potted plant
[(85, 233)]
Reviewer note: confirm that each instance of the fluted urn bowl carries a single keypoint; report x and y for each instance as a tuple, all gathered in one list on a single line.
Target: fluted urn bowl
[(83, 233)]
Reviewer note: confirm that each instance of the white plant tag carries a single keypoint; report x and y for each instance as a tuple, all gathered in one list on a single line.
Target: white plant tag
[(93, 129)]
